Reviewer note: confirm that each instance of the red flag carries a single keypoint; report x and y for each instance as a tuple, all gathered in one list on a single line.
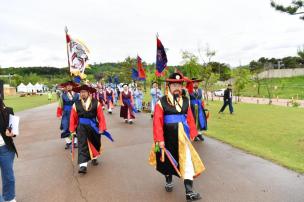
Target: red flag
[(140, 69)]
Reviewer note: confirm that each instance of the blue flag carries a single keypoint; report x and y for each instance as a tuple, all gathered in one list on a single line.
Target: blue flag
[(134, 74), (161, 58), (116, 81), (110, 79)]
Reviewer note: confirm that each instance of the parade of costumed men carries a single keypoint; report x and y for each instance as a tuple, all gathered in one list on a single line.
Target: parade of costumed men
[(196, 95), (138, 98), (156, 94), (127, 105), (88, 123), (109, 96), (66, 101), (173, 130)]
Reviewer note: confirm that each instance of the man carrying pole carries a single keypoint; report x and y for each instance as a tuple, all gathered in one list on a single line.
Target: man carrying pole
[(173, 129)]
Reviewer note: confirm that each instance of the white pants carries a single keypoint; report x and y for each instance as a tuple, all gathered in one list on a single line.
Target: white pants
[(83, 164), (189, 169)]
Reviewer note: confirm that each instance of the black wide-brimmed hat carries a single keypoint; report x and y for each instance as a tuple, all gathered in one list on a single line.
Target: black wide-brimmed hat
[(175, 78), (68, 83), (125, 84), (196, 79), (84, 87)]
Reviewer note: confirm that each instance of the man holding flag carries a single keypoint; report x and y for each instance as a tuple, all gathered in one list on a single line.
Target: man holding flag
[(173, 129), (66, 100)]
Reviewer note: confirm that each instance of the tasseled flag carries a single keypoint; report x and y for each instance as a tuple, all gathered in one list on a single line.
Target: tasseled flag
[(77, 56)]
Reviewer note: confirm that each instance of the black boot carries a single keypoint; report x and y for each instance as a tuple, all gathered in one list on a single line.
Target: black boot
[(196, 139), (82, 170), (95, 162), (190, 194), (169, 183), (201, 138), (67, 146)]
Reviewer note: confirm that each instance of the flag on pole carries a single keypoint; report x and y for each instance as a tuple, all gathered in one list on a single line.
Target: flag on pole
[(77, 56), (134, 74), (140, 69), (161, 58), (116, 80)]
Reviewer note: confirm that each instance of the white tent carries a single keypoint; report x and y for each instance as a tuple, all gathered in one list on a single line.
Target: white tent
[(30, 88), (38, 87), (21, 88)]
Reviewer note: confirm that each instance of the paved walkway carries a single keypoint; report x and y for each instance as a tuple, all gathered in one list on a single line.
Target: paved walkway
[(45, 173)]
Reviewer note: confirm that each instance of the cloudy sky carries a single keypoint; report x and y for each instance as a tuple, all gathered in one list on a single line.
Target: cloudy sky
[(32, 31)]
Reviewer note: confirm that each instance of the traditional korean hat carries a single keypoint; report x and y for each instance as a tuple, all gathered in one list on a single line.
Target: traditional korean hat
[(84, 87), (175, 78), (196, 80), (71, 83)]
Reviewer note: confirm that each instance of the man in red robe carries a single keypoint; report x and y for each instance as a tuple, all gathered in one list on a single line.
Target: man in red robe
[(87, 120), (174, 128)]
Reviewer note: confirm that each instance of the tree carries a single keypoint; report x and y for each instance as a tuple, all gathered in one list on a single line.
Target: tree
[(191, 65), (241, 78), (209, 79), (292, 9)]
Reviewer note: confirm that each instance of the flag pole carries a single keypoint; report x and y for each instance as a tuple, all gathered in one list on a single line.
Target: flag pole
[(67, 46)]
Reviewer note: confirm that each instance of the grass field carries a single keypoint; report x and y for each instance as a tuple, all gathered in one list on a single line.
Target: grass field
[(282, 87), (22, 103), (272, 132)]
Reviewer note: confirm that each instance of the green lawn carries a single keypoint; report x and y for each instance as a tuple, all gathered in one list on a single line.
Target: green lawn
[(282, 87), (22, 103), (272, 132)]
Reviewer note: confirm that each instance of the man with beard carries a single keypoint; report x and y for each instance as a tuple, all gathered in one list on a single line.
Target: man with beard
[(173, 129), (87, 120), (66, 101)]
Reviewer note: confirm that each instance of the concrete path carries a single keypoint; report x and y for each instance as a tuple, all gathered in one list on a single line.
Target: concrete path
[(45, 173)]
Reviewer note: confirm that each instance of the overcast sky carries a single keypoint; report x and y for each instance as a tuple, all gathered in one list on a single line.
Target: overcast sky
[(32, 31)]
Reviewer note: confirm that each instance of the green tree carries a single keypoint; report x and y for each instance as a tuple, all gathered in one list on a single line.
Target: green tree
[(292, 9), (241, 78), (191, 64)]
